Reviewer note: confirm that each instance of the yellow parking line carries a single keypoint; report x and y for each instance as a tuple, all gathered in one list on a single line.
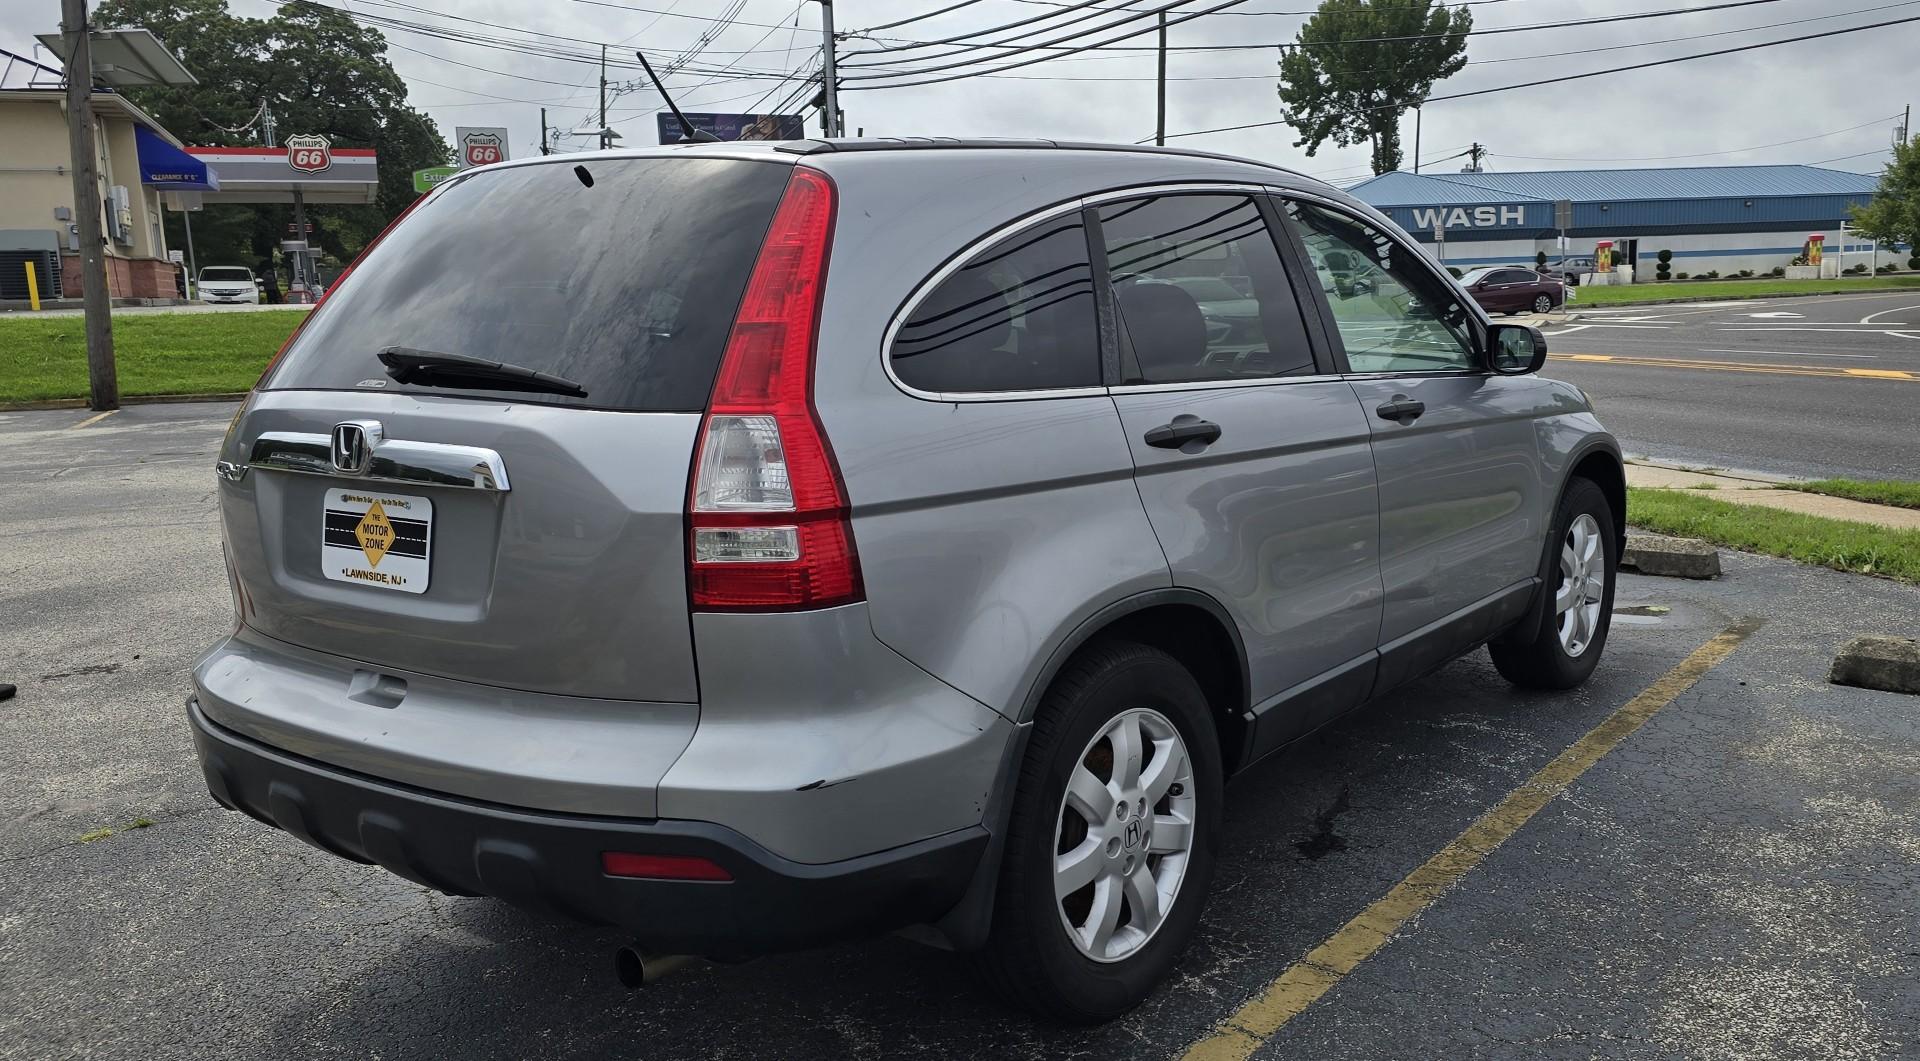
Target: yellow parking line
[(94, 419), (1301, 985), (1743, 366)]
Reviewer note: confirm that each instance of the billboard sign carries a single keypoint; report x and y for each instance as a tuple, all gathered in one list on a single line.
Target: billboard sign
[(309, 153), (425, 180), (736, 126), (479, 145)]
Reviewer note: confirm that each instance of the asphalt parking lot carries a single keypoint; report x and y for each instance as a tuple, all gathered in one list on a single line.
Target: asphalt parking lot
[(1814, 387), (1737, 878)]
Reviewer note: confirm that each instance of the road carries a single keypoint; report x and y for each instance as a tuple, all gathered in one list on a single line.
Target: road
[(1734, 880), (1817, 387)]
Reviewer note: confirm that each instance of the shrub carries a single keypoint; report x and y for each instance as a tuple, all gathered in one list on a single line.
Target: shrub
[(1914, 263), (1746, 273), (1665, 257), (1893, 267), (1684, 276), (1457, 274), (1713, 274), (1539, 258), (1778, 270)]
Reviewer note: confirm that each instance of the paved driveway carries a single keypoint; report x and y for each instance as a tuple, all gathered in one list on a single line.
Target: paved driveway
[(1734, 879)]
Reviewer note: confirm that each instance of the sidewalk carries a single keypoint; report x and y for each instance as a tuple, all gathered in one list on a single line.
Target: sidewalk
[(1747, 489)]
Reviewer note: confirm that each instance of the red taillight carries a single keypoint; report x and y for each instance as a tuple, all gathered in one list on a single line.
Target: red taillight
[(337, 281), (768, 525), (661, 867)]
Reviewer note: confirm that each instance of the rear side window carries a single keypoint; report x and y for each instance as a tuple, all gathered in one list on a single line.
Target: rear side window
[(1017, 316), (1201, 291), (621, 275)]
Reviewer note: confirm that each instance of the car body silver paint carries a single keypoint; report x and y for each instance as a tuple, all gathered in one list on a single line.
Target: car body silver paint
[(1277, 520), (1461, 503), (556, 753), (570, 584), (989, 531), (820, 743)]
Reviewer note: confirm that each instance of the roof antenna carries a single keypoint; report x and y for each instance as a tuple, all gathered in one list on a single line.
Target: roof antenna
[(688, 134)]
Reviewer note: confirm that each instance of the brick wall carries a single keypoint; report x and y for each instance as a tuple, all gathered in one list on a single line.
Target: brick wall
[(126, 278)]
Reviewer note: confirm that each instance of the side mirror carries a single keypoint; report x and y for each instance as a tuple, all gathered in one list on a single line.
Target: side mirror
[(1516, 349)]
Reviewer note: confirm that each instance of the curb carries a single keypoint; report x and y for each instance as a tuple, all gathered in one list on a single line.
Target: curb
[(1751, 298), (1890, 664), (1718, 473), (130, 399), (1657, 554)]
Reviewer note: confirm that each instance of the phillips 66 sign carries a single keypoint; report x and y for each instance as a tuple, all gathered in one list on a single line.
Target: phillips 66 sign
[(479, 146), (309, 153)]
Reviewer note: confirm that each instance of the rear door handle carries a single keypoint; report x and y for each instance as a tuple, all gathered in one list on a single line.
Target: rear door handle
[(1400, 409), (1185, 428)]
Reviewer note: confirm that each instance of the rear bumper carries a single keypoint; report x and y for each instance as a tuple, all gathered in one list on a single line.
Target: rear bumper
[(550, 863)]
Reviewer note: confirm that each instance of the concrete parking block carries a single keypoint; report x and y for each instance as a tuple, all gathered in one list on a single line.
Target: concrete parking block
[(1891, 664), (1657, 554)]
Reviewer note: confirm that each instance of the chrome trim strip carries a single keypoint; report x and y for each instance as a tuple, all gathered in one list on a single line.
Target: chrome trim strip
[(230, 471), (393, 461), (960, 259)]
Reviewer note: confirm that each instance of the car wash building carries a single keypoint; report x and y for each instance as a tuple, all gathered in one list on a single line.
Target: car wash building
[(1724, 218)]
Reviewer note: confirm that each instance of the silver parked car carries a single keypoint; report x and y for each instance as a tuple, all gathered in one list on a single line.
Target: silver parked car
[(752, 546)]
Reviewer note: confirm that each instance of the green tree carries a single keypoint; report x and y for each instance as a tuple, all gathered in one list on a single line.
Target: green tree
[(317, 71), (1893, 215), (1343, 80)]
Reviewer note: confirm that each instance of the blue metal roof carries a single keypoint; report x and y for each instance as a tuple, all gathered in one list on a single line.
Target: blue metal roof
[(1610, 185)]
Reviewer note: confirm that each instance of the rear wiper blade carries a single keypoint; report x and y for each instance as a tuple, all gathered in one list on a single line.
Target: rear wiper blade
[(435, 369)]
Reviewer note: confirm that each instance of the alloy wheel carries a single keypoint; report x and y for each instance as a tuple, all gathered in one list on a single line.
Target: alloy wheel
[(1125, 834), (1583, 582)]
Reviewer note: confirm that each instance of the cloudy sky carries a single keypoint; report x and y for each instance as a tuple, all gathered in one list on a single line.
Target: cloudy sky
[(1836, 99)]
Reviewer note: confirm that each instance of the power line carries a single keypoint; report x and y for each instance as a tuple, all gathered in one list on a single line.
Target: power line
[(1700, 154), (1527, 28), (1029, 62), (1591, 73), (1475, 62), (1094, 12)]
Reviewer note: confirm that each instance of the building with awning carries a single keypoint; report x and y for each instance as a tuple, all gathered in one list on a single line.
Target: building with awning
[(338, 176), (140, 161)]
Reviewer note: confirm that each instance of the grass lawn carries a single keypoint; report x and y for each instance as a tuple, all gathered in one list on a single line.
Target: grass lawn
[(1707, 289), (1876, 492), (1843, 546), (157, 353)]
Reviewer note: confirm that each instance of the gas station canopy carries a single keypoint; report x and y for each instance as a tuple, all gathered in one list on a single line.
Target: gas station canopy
[(323, 175)]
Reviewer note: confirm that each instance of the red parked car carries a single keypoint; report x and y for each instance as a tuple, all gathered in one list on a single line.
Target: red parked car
[(1511, 289)]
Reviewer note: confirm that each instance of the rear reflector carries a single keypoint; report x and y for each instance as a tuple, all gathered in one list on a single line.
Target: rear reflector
[(661, 867), (767, 511)]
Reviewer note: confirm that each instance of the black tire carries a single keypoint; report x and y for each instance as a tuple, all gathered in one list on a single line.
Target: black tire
[(1029, 959), (1509, 312), (1532, 655), (1543, 304)]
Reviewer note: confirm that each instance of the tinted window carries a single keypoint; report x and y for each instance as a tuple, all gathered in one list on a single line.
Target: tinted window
[(1201, 291), (226, 276), (1515, 276), (1393, 313), (1017, 316), (627, 287), (1476, 276)]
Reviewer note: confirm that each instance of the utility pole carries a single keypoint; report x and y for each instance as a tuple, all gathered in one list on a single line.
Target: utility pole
[(1160, 104), (544, 149), (829, 85), (103, 384), (1416, 139), (1474, 155), (604, 142)]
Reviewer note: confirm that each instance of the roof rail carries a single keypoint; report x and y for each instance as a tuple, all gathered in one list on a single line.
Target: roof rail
[(936, 143)]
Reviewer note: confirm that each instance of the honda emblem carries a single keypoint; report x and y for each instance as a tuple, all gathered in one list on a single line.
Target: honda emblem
[(353, 445)]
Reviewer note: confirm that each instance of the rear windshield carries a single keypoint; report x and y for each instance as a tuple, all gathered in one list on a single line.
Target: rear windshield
[(225, 276), (621, 275)]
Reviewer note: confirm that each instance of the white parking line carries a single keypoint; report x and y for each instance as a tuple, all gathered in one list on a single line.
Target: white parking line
[(1868, 319)]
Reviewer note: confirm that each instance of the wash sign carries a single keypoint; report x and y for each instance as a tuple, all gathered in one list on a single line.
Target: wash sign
[(1427, 218)]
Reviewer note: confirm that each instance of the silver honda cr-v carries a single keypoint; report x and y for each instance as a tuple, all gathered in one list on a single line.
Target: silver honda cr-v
[(757, 545)]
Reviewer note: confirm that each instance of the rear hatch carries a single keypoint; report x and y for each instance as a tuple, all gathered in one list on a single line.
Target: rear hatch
[(511, 509)]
